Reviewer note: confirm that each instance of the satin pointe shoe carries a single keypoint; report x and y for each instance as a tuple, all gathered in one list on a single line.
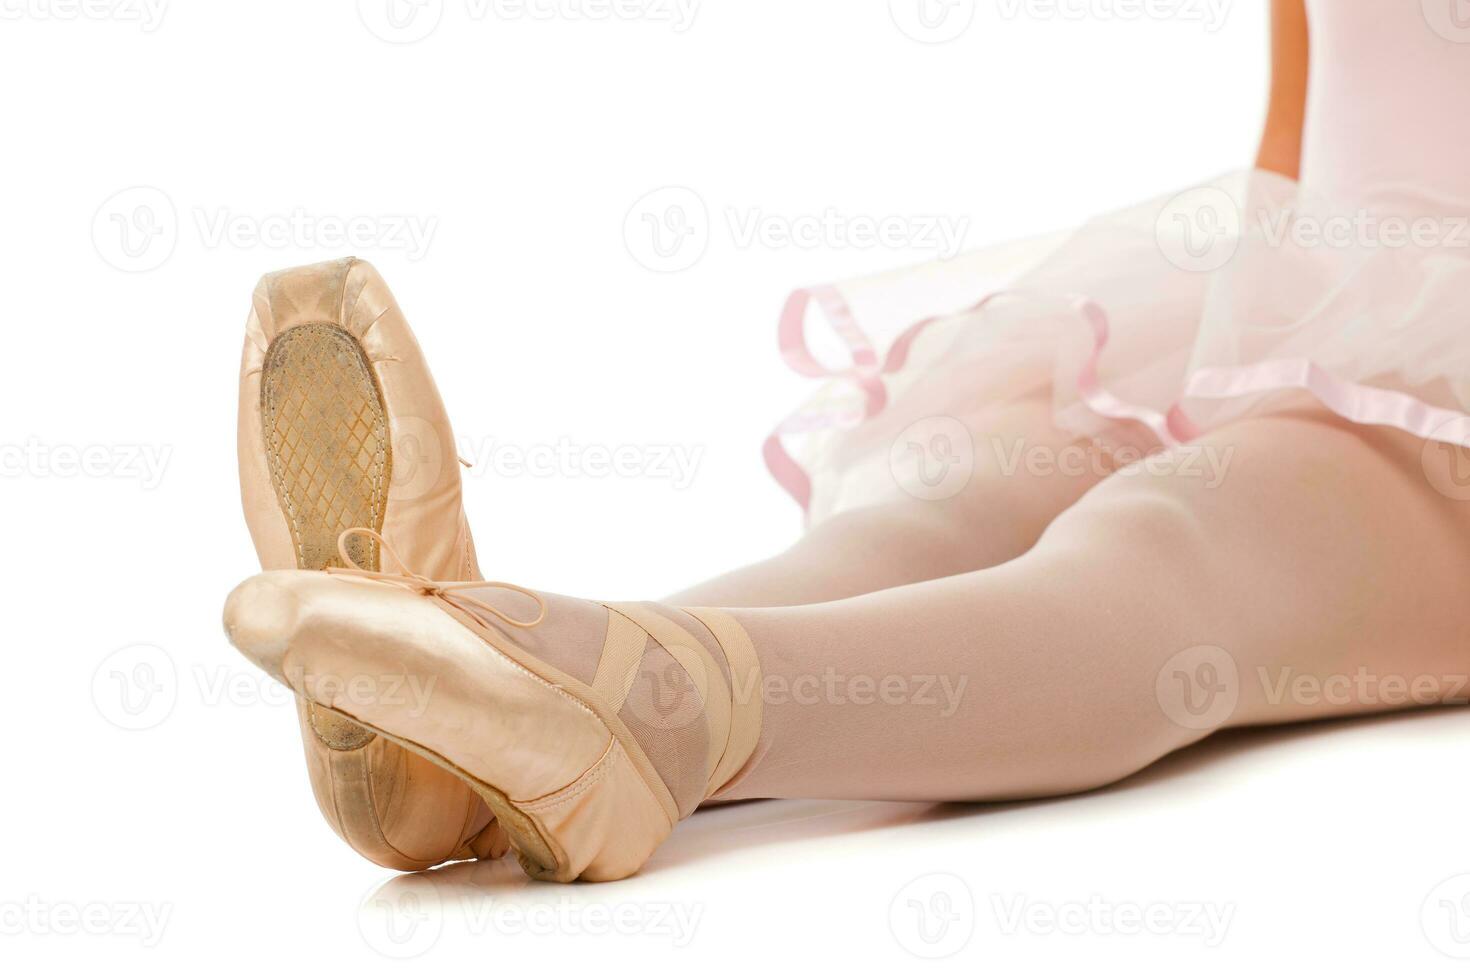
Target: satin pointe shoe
[(340, 426), (589, 729)]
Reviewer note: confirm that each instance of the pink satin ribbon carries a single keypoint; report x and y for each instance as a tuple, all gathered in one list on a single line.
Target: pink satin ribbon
[(1359, 403)]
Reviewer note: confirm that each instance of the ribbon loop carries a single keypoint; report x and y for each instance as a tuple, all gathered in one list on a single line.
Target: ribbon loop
[(450, 592)]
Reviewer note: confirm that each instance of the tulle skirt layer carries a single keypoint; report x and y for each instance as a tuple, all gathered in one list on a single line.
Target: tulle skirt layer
[(1145, 328)]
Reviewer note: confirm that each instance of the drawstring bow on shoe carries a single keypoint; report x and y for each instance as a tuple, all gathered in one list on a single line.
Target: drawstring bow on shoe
[(450, 592)]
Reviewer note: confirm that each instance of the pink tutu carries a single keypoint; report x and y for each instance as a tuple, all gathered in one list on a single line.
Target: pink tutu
[(1166, 319)]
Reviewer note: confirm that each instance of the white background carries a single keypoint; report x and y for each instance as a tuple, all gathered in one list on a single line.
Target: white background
[(524, 142)]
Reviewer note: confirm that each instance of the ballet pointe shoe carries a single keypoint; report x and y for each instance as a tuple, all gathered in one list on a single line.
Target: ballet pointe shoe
[(341, 425), (587, 752)]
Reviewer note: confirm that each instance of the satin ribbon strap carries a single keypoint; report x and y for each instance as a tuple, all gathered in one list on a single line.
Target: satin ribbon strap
[(746, 696), (450, 592)]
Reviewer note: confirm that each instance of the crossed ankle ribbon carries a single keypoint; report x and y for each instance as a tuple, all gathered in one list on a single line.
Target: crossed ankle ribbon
[(450, 592)]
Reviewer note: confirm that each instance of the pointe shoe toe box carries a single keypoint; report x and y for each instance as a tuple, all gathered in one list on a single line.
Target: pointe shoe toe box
[(260, 617)]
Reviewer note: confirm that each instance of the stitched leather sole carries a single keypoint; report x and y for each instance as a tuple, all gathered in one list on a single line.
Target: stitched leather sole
[(330, 457)]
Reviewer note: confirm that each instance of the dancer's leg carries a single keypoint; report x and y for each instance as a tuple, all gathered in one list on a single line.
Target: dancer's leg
[(996, 516), (1324, 554)]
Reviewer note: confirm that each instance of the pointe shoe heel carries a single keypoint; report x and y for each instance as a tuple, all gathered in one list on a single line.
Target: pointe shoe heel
[(332, 383)]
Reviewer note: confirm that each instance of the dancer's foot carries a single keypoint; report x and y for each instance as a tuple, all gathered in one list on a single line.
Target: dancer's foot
[(341, 425), (588, 729)]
